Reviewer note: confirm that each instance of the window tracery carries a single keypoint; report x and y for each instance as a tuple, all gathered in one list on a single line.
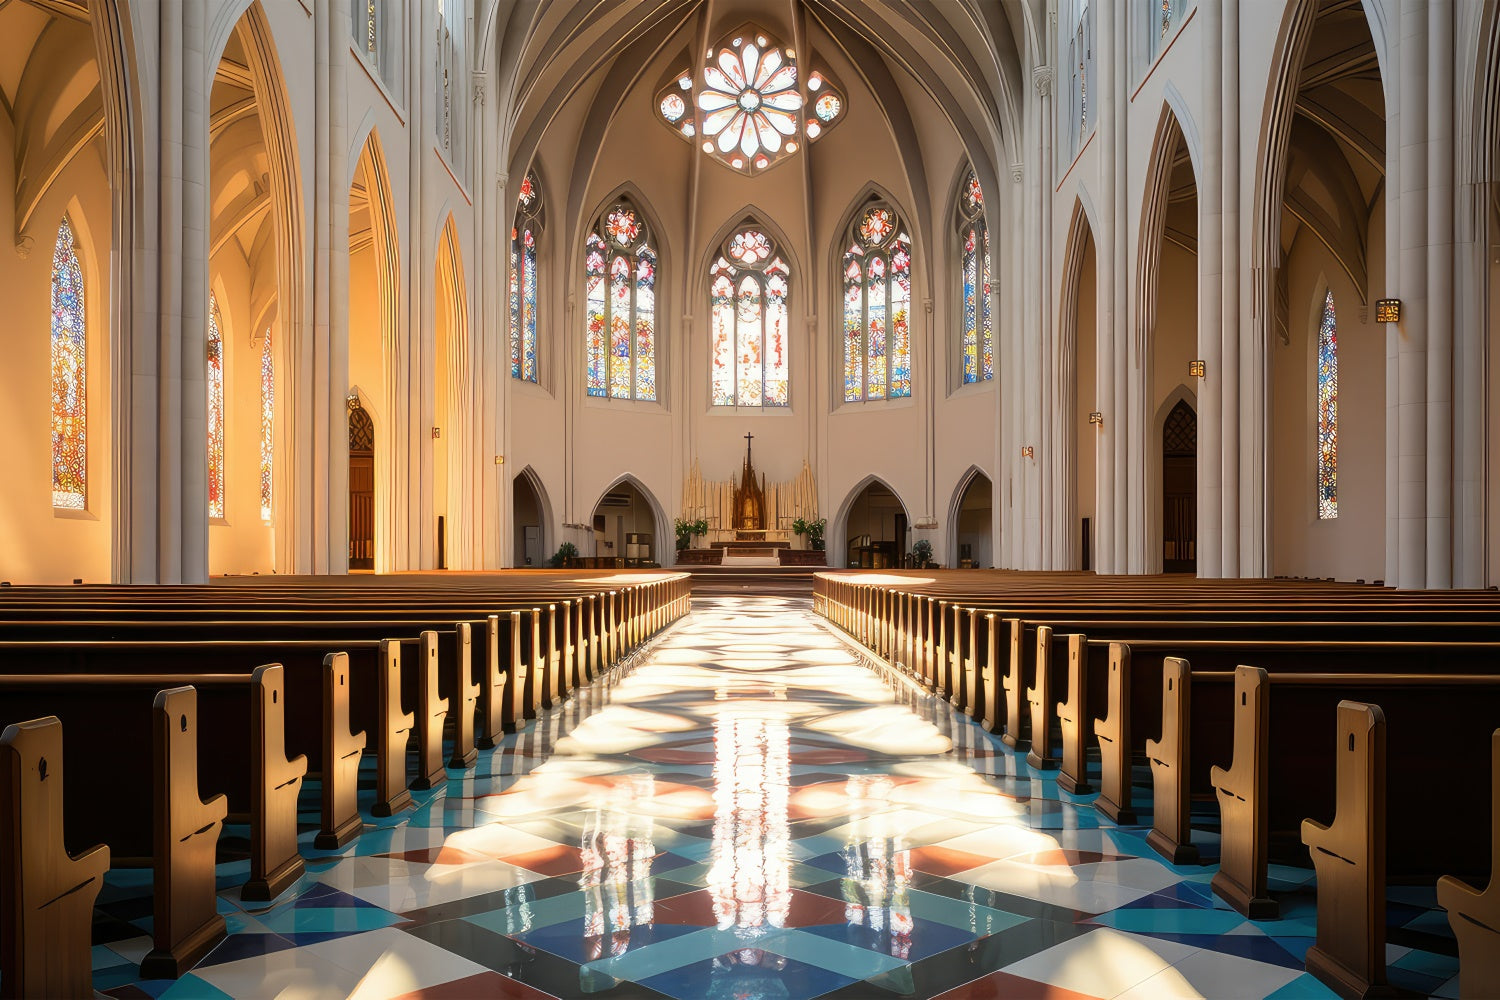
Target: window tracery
[(749, 284), (877, 307), (620, 305)]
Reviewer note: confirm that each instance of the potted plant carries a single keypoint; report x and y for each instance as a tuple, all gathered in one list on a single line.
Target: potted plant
[(698, 528), (565, 552), (684, 532), (799, 528), (815, 531), (921, 553)]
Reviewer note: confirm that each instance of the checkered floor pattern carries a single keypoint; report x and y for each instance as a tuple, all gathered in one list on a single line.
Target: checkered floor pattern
[(751, 811)]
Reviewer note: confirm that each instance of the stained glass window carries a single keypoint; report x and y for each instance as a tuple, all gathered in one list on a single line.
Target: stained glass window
[(1328, 412), (524, 236), (877, 307), (750, 107), (69, 376), (978, 340), (267, 423), (748, 285), (215, 411), (620, 306)]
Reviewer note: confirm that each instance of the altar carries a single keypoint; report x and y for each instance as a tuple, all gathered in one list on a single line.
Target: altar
[(748, 517)]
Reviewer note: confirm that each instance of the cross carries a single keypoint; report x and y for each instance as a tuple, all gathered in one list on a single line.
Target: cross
[(748, 438)]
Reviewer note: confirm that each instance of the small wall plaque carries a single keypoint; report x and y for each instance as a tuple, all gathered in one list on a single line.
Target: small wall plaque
[(1096, 418), (1027, 451), (1197, 369), (1387, 310)]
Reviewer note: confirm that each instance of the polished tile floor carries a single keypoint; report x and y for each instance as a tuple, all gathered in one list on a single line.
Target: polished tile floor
[(751, 812)]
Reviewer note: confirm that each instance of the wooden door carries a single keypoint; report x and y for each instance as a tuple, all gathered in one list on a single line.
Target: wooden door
[(1179, 489), (361, 489)]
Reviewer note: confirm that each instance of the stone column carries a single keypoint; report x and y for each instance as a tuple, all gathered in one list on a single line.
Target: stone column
[(1109, 546), (1233, 279), (1440, 212), (1410, 390), (1211, 298)]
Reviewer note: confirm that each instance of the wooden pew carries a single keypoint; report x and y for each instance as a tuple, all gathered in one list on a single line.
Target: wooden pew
[(46, 896), (1171, 821), (342, 751), (1474, 915)]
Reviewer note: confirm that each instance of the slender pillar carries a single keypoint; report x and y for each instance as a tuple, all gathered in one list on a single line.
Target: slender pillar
[(1109, 491), (1440, 212), (1234, 277), (1411, 355), (1210, 299)]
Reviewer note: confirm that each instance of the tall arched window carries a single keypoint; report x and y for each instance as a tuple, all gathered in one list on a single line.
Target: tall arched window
[(877, 307), (621, 305), (267, 423), (69, 376), (974, 247), (523, 240), (215, 410), (1328, 412), (749, 284)]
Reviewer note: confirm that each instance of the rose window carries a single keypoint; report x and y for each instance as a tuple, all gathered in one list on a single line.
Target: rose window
[(751, 109)]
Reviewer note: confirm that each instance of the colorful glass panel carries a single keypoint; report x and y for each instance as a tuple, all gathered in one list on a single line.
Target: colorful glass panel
[(620, 334), (827, 108), (1328, 413), (528, 306), (875, 329), (515, 305), (749, 334), (215, 411), (524, 236), (900, 347), (978, 337), (267, 424), (877, 226), (987, 326), (69, 376), (645, 325), (776, 380), (673, 107), (722, 351), (854, 322), (622, 226), (971, 305), (596, 313)]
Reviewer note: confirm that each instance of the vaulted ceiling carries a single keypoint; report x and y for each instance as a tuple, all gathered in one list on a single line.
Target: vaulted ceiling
[(1336, 168), (49, 90)]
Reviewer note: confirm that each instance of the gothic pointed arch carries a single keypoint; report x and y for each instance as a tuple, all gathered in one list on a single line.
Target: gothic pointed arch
[(749, 290), (875, 292)]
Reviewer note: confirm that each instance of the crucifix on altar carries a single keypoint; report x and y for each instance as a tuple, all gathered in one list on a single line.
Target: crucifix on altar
[(749, 501)]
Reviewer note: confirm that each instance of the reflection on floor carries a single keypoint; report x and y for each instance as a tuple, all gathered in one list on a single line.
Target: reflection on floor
[(749, 813)]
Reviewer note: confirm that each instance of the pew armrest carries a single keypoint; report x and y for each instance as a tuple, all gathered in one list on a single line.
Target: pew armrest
[(1314, 836), (1218, 777), (1457, 896), (1153, 749)]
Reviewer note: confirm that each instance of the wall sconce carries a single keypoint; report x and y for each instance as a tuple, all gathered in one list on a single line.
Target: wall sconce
[(1197, 369), (1027, 451), (1387, 310), (1096, 418), (437, 432), (352, 400), (500, 460)]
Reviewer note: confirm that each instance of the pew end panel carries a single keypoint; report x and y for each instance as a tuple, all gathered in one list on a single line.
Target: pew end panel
[(342, 752), (186, 922), (1349, 857), (1171, 820), (46, 896), (276, 781), (1473, 914), (1241, 790)]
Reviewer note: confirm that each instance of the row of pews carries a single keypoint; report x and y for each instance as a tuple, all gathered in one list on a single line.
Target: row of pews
[(1276, 700), (247, 688)]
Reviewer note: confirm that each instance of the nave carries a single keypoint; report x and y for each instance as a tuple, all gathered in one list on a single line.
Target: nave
[(750, 809)]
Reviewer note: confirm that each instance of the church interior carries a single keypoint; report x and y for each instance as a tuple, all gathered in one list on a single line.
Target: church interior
[(784, 499)]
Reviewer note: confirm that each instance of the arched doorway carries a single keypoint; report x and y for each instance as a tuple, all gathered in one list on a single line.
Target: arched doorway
[(361, 488), (1320, 247), (973, 523), (875, 528), (528, 511), (625, 527), (375, 332), (1078, 321), (1179, 490)]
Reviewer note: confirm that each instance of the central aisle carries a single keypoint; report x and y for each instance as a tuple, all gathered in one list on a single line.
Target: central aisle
[(752, 811)]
